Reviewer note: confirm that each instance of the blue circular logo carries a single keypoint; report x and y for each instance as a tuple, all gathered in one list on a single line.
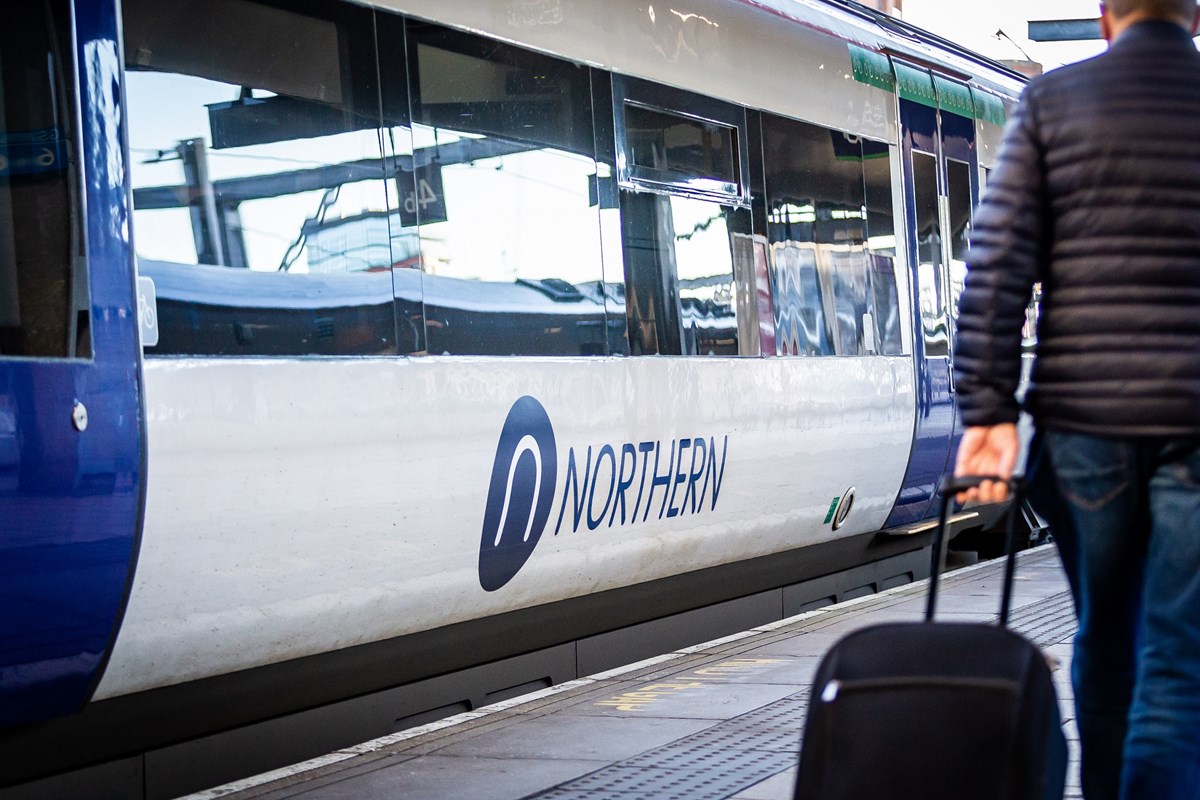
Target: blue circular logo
[(520, 494)]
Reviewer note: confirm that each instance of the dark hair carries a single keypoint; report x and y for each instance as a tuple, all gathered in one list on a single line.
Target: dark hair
[(1157, 9)]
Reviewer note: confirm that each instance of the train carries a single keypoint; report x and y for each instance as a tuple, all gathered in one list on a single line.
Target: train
[(365, 362)]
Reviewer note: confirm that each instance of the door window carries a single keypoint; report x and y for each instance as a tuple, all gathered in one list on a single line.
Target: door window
[(44, 303), (931, 296), (881, 247), (958, 182)]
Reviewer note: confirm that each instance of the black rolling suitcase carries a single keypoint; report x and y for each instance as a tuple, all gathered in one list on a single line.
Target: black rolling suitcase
[(934, 710)]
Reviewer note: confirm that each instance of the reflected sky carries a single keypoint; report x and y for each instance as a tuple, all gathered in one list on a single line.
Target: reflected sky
[(165, 109)]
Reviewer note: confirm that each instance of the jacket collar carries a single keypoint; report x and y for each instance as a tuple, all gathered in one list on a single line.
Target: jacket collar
[(1159, 31)]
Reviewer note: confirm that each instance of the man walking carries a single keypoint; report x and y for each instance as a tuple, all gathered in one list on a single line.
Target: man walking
[(1097, 195)]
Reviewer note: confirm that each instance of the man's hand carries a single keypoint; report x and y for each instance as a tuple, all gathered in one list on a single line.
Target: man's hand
[(987, 450)]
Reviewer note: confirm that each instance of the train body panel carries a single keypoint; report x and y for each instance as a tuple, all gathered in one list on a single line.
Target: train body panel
[(785, 56), (331, 504), (795, 57), (467, 312)]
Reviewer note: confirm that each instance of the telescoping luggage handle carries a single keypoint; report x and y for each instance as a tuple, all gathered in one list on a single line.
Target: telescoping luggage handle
[(949, 488)]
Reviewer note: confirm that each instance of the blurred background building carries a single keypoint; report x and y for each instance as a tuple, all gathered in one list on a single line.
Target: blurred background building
[(892, 7)]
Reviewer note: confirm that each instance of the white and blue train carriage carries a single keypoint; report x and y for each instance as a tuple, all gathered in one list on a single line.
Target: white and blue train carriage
[(474, 346)]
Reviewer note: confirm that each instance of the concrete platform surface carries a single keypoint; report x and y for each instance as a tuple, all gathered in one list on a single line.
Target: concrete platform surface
[(718, 721)]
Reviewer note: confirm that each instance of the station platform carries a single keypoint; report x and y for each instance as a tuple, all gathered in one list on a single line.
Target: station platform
[(720, 720)]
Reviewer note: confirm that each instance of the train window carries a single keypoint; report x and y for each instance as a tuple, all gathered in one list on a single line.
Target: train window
[(690, 256), (259, 183), (958, 184), (817, 218), (675, 141), (44, 304), (881, 247), (670, 149), (930, 291), (505, 203)]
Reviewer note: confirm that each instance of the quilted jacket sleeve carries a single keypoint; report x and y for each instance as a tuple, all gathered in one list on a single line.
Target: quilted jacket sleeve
[(1008, 251)]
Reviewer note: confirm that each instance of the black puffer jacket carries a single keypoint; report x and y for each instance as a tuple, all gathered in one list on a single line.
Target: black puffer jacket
[(1097, 195)]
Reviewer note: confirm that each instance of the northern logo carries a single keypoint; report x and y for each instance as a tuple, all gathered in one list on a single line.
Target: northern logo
[(520, 494), (611, 485)]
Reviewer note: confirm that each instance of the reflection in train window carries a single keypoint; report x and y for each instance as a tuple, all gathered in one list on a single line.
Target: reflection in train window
[(259, 190), (825, 286), (930, 293), (1033, 313), (505, 198), (705, 254), (881, 247), (682, 269), (958, 179), (44, 304)]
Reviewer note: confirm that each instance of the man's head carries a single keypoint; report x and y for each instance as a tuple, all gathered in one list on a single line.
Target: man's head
[(1117, 15)]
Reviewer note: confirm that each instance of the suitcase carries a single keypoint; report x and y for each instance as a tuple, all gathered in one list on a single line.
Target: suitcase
[(933, 710)]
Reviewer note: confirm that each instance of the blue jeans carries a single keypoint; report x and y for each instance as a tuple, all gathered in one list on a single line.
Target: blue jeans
[(1126, 515)]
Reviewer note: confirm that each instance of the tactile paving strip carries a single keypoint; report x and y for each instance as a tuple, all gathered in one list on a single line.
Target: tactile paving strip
[(1048, 622), (721, 761), (713, 764)]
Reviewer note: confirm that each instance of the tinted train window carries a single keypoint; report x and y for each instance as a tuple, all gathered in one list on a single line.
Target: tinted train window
[(881, 247), (678, 142), (825, 286), (43, 272), (505, 203), (671, 149), (930, 292), (259, 187), (684, 258)]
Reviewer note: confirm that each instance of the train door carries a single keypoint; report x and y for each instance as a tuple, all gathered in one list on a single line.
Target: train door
[(70, 418), (938, 159)]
